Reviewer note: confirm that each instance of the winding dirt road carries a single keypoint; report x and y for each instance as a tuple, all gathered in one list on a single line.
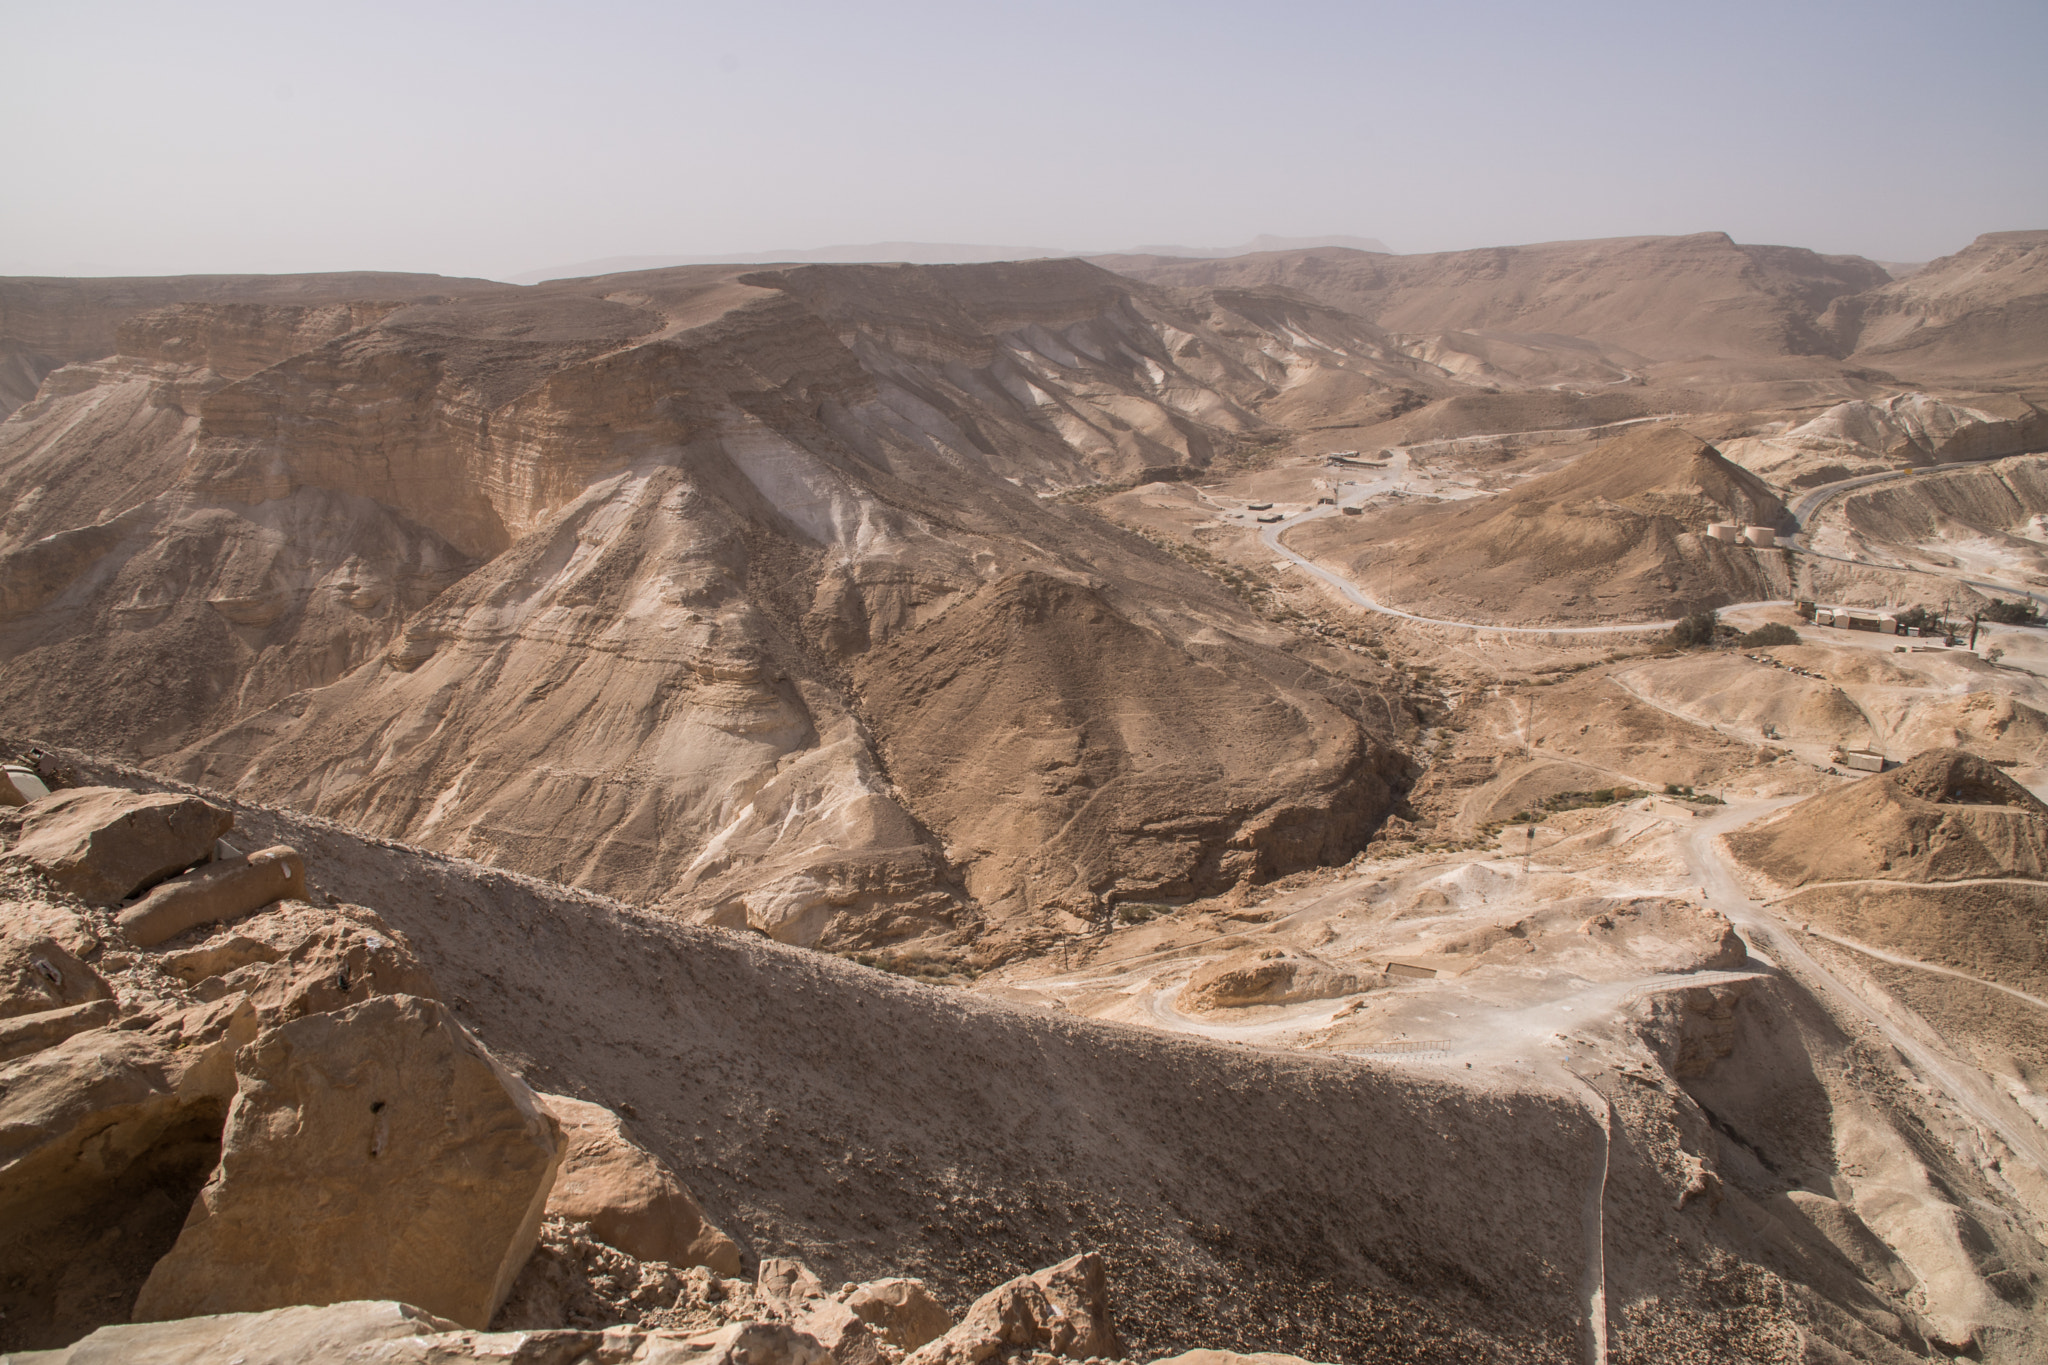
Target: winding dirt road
[(1968, 1088)]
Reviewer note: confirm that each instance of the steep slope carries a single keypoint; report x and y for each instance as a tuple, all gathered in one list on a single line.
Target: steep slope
[(1980, 314), (1656, 298), (1245, 1198), (1618, 532), (603, 582)]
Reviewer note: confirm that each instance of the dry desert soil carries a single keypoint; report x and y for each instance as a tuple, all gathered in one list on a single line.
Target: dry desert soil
[(1375, 800)]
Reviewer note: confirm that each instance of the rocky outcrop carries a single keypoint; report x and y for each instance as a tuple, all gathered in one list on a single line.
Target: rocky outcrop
[(220, 891), (626, 1196), (1062, 1310), (103, 844), (1264, 976), (428, 1166), (350, 1138), (903, 1311)]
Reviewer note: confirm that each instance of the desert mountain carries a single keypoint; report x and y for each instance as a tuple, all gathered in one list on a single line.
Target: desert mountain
[(1618, 532), (48, 322), (1647, 298), (1981, 314), (1867, 436), (701, 586)]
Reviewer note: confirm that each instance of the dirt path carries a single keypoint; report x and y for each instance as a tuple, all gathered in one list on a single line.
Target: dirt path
[(1969, 1089), (1881, 955), (1594, 1286)]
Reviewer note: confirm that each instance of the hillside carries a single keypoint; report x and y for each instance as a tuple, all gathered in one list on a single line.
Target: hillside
[(1981, 314), (1652, 298), (49, 322), (630, 583), (1945, 816), (1619, 533)]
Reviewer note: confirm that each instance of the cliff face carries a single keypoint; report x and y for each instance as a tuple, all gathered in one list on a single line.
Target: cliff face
[(716, 589)]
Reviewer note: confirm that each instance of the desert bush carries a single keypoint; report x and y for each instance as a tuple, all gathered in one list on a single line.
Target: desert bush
[(1695, 630), (1775, 633), (2012, 613)]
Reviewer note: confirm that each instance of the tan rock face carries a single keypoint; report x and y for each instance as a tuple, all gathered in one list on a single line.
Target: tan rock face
[(1265, 976), (105, 1137), (104, 844), (40, 946), (903, 1311), (377, 1152), (627, 1196), (1063, 1309), (219, 891)]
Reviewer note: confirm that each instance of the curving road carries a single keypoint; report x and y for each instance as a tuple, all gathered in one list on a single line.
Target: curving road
[(1811, 503)]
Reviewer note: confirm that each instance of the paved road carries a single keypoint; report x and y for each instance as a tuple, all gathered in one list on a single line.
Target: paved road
[(1810, 504)]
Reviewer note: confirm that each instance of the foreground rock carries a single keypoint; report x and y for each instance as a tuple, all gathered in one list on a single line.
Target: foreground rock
[(103, 844), (1063, 1310), (399, 1334), (1059, 1312), (216, 893), (627, 1197), (379, 1152)]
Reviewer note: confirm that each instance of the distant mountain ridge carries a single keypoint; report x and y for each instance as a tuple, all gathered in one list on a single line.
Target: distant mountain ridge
[(926, 253)]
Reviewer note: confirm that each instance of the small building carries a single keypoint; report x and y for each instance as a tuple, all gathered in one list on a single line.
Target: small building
[(1724, 530), (1352, 510), (1862, 760), (1763, 537)]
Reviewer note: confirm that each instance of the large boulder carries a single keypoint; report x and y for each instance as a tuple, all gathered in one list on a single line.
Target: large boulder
[(215, 893), (41, 966), (903, 1311), (627, 1196), (28, 1033), (285, 1336), (104, 844), (1062, 1310), (378, 1152), (105, 1138)]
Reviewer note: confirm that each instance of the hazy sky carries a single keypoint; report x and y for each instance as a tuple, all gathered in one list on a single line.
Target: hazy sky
[(490, 139)]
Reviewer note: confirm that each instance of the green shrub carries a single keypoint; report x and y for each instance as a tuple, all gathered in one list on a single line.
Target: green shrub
[(1773, 634), (2012, 613)]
